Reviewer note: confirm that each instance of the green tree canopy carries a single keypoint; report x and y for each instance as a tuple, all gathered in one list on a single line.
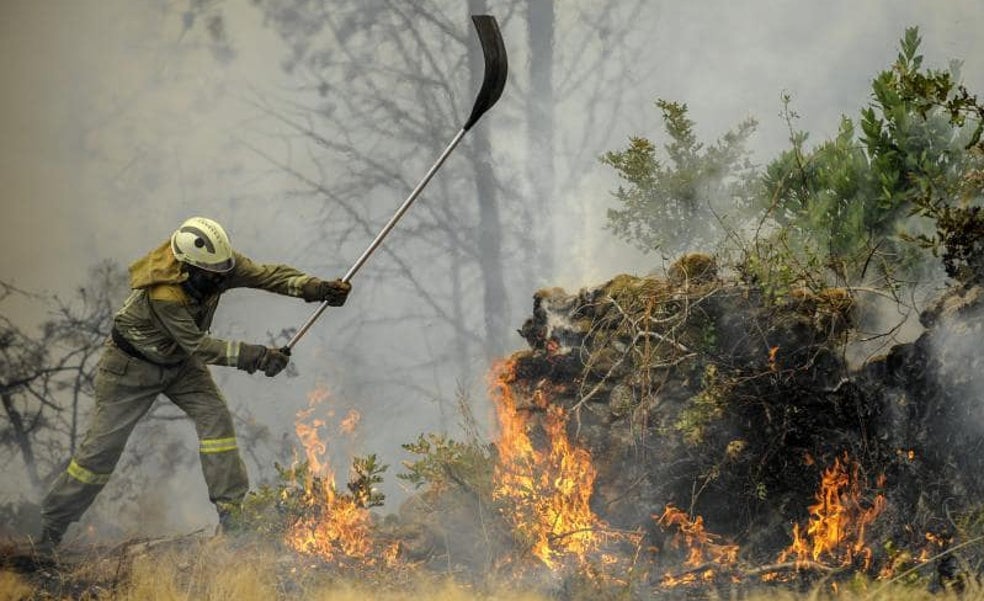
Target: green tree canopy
[(911, 174), (679, 204)]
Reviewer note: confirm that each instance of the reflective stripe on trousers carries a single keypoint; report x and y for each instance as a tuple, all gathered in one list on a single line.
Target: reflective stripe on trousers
[(86, 476), (208, 446)]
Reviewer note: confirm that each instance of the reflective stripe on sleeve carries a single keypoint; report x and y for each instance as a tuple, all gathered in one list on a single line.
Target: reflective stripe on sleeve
[(295, 283), (217, 445), (86, 476), (232, 352)]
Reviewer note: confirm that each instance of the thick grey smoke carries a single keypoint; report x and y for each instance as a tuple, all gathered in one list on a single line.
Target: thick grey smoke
[(120, 118)]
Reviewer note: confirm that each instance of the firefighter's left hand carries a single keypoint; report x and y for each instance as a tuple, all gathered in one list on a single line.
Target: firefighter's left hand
[(271, 361), (274, 361), (333, 292)]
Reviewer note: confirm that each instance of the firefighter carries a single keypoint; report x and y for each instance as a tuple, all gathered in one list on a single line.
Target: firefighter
[(160, 344)]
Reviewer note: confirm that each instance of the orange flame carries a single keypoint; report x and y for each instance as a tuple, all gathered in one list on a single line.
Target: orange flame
[(838, 521), (350, 422), (335, 525), (315, 449), (549, 490), (341, 529), (704, 549), (773, 354)]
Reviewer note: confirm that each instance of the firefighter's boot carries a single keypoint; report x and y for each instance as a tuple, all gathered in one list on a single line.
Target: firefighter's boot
[(230, 519), (47, 544)]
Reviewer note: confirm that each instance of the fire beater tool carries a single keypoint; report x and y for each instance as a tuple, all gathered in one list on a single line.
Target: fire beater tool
[(496, 68)]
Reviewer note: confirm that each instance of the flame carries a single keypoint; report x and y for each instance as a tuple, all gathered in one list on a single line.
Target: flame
[(334, 526), (935, 544), (900, 559), (350, 422), (341, 529), (549, 490), (838, 521), (773, 353), (552, 348), (315, 449), (906, 454), (704, 549)]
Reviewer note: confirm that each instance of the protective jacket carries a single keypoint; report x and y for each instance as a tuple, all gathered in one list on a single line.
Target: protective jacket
[(167, 322), (161, 345)]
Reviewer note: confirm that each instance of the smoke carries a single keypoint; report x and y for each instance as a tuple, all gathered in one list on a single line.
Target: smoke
[(730, 61), (119, 122)]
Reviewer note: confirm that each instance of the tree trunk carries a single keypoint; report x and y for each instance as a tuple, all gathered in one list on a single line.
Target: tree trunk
[(490, 226), (540, 132), (22, 440)]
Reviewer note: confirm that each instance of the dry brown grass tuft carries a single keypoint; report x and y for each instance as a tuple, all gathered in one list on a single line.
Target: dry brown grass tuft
[(13, 587), (437, 591), (212, 571), (871, 592), (219, 570)]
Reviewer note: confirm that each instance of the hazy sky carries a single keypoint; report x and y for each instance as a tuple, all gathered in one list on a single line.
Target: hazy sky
[(103, 98), (116, 123)]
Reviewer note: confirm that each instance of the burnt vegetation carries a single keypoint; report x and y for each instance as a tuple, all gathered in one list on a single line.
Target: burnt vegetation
[(748, 412), (743, 418)]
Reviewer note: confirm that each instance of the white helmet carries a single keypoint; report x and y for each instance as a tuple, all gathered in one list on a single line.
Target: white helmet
[(203, 243)]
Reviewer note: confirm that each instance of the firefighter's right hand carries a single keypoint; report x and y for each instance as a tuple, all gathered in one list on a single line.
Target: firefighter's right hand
[(270, 361), (333, 292)]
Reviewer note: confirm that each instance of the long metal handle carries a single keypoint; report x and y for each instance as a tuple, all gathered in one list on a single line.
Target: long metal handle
[(496, 70), (379, 237)]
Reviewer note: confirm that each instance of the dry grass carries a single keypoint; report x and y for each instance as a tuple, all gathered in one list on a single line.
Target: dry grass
[(14, 588), (223, 578), (874, 592), (215, 570)]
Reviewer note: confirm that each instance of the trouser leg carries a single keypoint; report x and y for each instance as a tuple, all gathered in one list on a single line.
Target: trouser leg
[(225, 473), (125, 390)]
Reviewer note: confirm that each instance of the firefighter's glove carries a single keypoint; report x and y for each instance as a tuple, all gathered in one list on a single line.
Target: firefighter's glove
[(333, 292), (256, 357)]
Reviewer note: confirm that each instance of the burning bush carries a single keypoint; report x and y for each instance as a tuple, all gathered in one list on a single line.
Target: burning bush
[(680, 432), (645, 395)]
